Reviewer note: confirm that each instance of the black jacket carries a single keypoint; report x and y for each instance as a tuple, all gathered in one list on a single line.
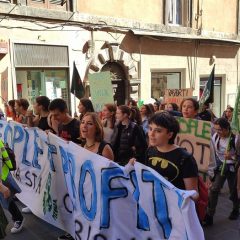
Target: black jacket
[(130, 142)]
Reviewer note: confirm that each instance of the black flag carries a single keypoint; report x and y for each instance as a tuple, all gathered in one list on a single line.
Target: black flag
[(77, 87), (208, 92)]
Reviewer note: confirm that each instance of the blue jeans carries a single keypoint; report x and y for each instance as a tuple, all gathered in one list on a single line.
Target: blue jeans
[(9, 202)]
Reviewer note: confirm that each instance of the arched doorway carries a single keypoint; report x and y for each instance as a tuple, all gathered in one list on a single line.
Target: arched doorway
[(118, 78)]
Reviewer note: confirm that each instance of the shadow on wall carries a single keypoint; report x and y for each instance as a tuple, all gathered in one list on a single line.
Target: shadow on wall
[(173, 47)]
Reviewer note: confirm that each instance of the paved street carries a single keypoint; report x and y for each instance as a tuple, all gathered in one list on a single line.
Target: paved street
[(35, 229), (223, 229)]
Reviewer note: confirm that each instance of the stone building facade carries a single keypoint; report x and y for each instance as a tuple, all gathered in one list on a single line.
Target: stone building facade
[(147, 46)]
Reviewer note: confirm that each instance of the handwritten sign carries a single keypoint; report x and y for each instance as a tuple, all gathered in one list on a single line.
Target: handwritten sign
[(91, 197), (101, 89), (177, 95), (195, 136)]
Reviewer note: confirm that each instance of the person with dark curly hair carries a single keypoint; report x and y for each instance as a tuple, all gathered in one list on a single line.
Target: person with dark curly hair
[(85, 105)]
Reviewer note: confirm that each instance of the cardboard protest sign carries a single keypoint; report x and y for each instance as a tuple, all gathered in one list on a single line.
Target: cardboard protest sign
[(177, 95), (195, 136), (101, 89), (91, 197)]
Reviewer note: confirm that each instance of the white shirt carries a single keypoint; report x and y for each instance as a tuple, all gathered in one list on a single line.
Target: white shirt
[(220, 146)]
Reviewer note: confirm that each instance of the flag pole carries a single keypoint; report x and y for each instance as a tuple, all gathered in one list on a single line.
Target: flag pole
[(227, 151), (74, 104), (234, 126)]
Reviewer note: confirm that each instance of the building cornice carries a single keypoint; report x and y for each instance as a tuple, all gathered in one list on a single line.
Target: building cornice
[(8, 10)]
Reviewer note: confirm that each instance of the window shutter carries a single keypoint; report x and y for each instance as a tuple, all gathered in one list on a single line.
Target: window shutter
[(29, 55), (57, 2), (38, 1)]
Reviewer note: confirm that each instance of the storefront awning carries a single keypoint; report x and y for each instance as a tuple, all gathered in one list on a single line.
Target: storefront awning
[(205, 36)]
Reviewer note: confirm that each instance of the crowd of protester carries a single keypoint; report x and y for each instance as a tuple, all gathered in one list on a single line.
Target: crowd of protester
[(128, 133)]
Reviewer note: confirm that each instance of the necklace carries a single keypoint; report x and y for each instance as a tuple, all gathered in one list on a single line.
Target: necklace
[(89, 145)]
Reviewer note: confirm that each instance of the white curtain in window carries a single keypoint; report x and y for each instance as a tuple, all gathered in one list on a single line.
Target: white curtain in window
[(174, 11)]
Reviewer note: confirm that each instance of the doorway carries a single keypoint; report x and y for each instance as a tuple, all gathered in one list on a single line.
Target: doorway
[(118, 78)]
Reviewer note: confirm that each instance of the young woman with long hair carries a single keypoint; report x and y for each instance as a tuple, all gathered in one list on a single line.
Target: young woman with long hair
[(91, 131), (109, 120), (85, 105)]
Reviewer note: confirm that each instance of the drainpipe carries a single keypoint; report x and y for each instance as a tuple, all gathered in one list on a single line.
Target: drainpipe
[(238, 31), (74, 6), (140, 68)]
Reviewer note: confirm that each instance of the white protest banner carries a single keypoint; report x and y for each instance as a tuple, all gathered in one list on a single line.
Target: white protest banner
[(195, 136), (177, 95), (91, 197)]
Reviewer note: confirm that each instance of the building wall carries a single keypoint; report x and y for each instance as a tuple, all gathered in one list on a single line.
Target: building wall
[(151, 54), (141, 10), (220, 15), (74, 38), (191, 58), (207, 15)]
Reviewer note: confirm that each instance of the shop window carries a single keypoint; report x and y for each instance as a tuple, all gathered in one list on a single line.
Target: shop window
[(51, 83), (178, 12), (160, 81), (217, 93)]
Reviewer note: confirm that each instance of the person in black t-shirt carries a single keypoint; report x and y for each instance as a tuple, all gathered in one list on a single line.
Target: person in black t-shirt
[(41, 110), (68, 127), (172, 162)]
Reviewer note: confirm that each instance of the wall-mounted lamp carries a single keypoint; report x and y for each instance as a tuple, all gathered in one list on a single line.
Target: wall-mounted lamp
[(212, 60)]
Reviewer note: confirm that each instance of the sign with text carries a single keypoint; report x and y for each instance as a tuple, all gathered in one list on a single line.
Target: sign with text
[(177, 95), (3, 47), (195, 136), (91, 197), (101, 89), (4, 84)]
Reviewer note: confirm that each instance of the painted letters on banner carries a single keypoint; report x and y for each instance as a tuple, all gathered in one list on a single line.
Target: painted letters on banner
[(91, 197), (177, 95), (195, 136)]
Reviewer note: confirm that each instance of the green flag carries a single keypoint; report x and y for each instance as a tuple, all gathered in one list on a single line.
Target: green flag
[(235, 124), (77, 87)]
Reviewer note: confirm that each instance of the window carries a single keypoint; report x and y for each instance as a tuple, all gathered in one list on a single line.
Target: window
[(178, 12), (65, 5), (217, 93), (43, 82), (164, 80)]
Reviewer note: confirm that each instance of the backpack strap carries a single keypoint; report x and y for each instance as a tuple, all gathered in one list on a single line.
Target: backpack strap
[(232, 141)]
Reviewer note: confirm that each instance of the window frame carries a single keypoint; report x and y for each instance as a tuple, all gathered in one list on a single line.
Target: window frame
[(186, 12), (218, 81), (180, 71), (48, 5)]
